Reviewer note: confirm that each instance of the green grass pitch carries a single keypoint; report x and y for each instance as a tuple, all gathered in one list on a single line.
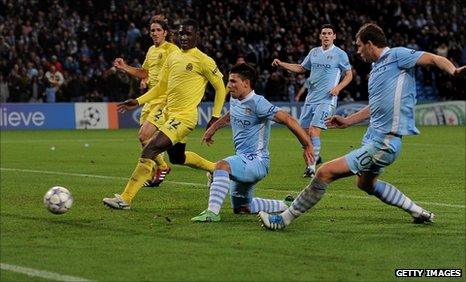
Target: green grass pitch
[(348, 236)]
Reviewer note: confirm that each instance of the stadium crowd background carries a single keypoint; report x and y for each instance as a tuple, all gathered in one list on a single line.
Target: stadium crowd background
[(73, 43)]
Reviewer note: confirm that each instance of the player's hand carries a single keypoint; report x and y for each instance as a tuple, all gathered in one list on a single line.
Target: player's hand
[(460, 72), (211, 121), (119, 63), (337, 122), (308, 155), (143, 85), (335, 91), (127, 105), (276, 63), (207, 137)]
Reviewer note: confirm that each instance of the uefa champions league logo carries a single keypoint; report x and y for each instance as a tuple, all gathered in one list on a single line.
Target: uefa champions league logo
[(91, 117)]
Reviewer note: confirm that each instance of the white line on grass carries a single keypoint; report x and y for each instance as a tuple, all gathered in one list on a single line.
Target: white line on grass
[(40, 273), (200, 185), (54, 141)]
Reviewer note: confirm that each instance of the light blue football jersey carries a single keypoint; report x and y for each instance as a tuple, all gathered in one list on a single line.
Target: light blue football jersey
[(326, 69), (251, 119), (392, 91)]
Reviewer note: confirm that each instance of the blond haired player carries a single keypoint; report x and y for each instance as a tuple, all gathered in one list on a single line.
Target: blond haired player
[(149, 74)]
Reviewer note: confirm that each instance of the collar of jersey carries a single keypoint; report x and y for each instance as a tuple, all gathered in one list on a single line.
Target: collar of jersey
[(329, 49), (384, 52), (189, 51), (164, 43), (248, 97)]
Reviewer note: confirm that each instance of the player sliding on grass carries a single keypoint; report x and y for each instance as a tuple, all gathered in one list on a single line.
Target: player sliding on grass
[(250, 117), (150, 75), (392, 97), (184, 79)]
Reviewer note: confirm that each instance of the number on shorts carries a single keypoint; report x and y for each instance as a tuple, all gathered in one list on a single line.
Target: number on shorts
[(158, 114), (364, 159), (174, 123), (324, 115)]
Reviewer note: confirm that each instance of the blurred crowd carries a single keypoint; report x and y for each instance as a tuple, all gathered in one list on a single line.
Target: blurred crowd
[(60, 51)]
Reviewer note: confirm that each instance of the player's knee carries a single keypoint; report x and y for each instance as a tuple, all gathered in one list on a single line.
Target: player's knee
[(314, 131), (143, 139), (222, 165), (155, 146), (364, 186), (325, 174), (145, 133)]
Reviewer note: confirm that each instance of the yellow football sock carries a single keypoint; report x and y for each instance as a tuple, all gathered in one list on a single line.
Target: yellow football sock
[(195, 161), (141, 174), (160, 161)]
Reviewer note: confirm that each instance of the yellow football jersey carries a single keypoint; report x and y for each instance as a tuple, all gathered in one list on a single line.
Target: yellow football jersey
[(155, 58), (184, 79)]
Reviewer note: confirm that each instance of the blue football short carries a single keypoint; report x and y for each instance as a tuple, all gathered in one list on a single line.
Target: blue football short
[(246, 171), (315, 115), (377, 151)]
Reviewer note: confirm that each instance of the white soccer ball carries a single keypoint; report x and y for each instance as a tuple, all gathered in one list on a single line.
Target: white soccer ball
[(58, 200)]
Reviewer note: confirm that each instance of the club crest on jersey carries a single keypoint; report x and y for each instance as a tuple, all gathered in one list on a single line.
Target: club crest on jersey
[(247, 111), (189, 67), (329, 57), (160, 56)]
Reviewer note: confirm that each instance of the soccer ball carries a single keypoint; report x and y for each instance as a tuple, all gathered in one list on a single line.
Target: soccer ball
[(58, 200)]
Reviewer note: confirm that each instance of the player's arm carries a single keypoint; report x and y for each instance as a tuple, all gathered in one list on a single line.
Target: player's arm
[(343, 122), (120, 64), (343, 83), (429, 59), (215, 77), (296, 68), (143, 84), (293, 125), (159, 88), (219, 123), (154, 92)]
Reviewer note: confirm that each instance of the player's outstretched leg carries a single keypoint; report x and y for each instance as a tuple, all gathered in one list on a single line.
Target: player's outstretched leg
[(389, 194), (272, 221), (195, 161), (308, 198), (267, 205), (141, 174)]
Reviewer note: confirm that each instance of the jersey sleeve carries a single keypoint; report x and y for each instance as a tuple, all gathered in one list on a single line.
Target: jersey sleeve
[(265, 109), (307, 63), (215, 77), (407, 58), (344, 63)]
